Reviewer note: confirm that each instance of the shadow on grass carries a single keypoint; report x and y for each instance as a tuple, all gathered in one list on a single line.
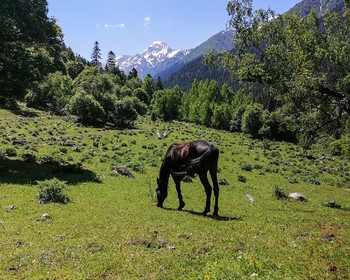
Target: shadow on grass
[(16, 109), (217, 218), (25, 113), (24, 172)]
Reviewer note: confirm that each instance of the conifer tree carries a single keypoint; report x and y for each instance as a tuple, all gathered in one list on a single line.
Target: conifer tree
[(110, 64), (159, 84), (96, 55)]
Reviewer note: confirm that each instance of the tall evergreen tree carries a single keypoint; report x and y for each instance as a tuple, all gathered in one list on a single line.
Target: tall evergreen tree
[(159, 84), (110, 64), (133, 74), (148, 86), (96, 55)]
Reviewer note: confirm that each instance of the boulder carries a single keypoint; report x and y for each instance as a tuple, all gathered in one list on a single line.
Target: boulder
[(332, 204), (297, 197), (123, 171)]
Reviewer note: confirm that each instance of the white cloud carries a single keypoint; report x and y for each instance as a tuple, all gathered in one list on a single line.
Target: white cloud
[(147, 21), (111, 26)]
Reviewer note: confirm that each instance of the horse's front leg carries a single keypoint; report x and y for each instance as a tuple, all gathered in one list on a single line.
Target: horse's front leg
[(179, 195)]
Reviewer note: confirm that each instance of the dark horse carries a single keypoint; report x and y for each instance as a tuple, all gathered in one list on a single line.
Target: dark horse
[(197, 157)]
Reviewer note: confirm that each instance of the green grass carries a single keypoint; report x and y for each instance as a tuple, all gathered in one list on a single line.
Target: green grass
[(112, 229)]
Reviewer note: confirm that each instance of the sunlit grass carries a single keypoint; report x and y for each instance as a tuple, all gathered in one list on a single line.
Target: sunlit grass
[(112, 229)]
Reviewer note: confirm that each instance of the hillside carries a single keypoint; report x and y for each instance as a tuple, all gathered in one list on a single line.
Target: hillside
[(195, 69), (322, 6), (112, 229), (222, 41)]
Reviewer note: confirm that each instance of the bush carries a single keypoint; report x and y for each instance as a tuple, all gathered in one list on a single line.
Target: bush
[(86, 108), (236, 121), (167, 104), (125, 113), (341, 146), (252, 120), (279, 193), (241, 178), (51, 191), (52, 94)]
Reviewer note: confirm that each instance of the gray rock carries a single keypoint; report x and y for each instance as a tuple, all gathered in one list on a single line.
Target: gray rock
[(297, 197), (123, 171), (10, 207), (45, 216), (249, 198), (332, 204)]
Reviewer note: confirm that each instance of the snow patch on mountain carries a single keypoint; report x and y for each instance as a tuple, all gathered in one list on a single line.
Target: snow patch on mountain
[(157, 56)]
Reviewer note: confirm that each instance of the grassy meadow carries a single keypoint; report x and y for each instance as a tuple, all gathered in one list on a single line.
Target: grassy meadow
[(112, 229)]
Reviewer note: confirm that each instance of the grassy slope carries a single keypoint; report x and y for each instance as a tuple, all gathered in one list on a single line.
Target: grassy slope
[(113, 230)]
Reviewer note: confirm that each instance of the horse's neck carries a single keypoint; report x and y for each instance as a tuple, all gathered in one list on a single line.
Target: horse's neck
[(164, 173)]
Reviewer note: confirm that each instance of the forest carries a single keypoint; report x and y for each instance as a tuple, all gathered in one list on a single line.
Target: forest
[(289, 77)]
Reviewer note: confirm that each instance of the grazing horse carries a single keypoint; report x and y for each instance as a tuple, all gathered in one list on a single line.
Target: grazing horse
[(197, 157)]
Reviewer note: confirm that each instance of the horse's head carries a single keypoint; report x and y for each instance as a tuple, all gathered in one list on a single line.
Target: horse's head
[(162, 192)]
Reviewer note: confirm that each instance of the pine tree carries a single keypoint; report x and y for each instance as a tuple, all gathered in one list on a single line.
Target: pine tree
[(132, 74), (159, 84), (96, 55), (110, 64)]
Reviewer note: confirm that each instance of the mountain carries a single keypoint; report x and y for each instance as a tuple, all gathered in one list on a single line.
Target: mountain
[(186, 70), (221, 41), (322, 6), (157, 57)]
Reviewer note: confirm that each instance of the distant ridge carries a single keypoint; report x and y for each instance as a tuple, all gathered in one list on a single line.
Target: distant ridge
[(222, 41), (321, 6)]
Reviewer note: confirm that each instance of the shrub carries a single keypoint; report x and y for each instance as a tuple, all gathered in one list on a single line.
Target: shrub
[(125, 113), (341, 146), (252, 120), (279, 193), (86, 108), (51, 191), (241, 178), (167, 104), (246, 167), (52, 94)]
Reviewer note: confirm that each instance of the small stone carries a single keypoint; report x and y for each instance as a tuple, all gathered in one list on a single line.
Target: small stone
[(249, 198), (10, 207), (297, 197), (45, 216), (328, 235), (223, 182), (332, 268)]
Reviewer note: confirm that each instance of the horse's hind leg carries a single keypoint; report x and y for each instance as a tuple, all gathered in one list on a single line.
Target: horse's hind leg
[(208, 189), (213, 174)]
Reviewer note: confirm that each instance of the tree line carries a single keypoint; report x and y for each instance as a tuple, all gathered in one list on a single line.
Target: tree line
[(291, 77)]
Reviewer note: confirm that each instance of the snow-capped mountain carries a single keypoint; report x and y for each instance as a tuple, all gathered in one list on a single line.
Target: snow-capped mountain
[(157, 57)]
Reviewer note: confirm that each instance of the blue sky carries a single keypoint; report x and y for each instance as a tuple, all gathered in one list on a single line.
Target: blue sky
[(130, 26)]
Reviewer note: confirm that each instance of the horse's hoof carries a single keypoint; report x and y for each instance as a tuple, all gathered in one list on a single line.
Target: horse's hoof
[(204, 213), (160, 205), (181, 206)]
